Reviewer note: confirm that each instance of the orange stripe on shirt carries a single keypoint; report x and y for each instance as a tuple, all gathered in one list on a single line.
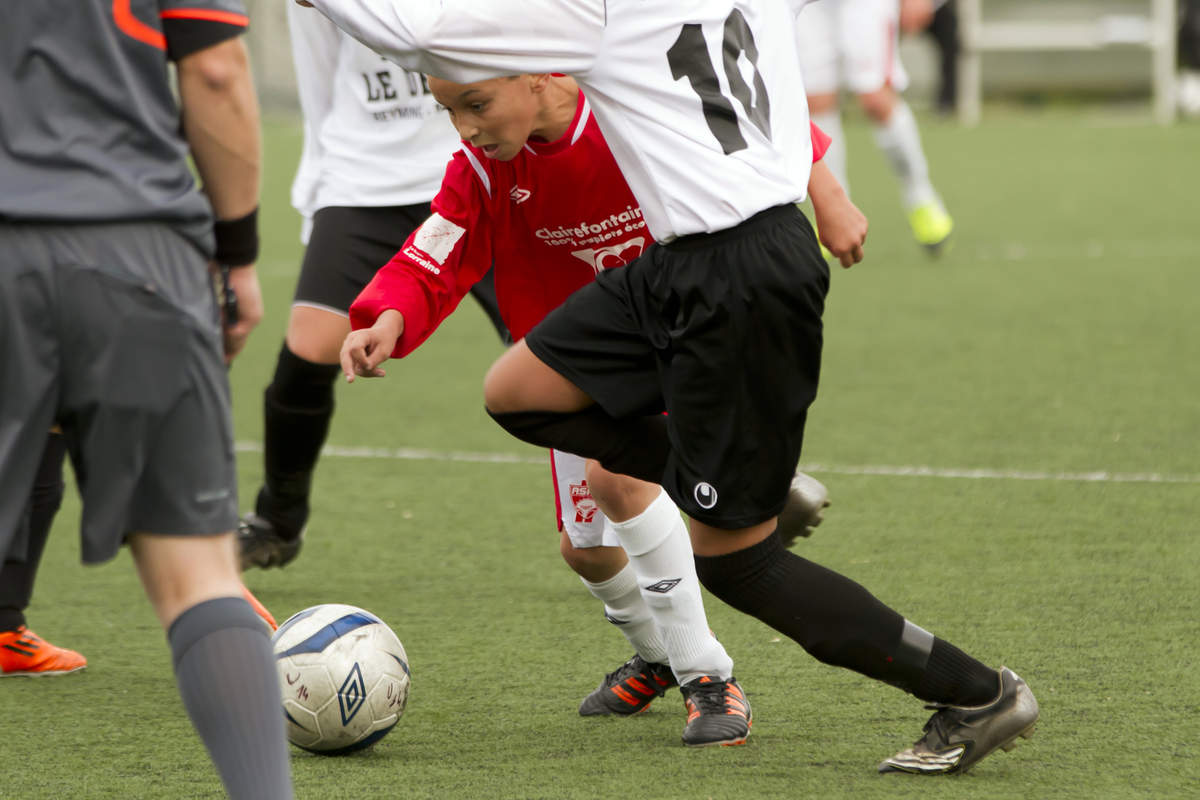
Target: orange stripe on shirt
[(134, 28), (209, 14)]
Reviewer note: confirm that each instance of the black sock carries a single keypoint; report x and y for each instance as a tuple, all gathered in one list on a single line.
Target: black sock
[(637, 446), (297, 409), (227, 681), (957, 679), (838, 621), (19, 569)]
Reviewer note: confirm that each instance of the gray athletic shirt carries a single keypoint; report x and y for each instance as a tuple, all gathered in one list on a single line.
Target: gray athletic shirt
[(89, 128)]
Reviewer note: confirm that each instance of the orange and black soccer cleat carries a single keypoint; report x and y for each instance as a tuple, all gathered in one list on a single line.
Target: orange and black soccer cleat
[(259, 608), (23, 652), (718, 712), (629, 689)]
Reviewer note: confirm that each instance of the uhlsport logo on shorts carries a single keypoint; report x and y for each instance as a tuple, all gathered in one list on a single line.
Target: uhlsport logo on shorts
[(705, 494)]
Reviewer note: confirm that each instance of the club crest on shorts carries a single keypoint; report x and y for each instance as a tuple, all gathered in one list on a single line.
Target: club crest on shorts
[(705, 494), (581, 498)]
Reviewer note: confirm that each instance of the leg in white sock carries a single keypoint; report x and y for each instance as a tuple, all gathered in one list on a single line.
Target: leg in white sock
[(897, 135), (625, 608), (660, 553)]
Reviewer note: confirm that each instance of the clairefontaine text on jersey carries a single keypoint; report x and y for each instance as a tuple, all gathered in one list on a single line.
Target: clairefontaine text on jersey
[(585, 228)]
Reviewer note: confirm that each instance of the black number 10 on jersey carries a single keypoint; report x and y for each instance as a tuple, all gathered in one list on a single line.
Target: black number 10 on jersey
[(689, 59)]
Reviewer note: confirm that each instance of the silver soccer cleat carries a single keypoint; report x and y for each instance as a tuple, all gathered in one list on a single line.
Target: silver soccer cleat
[(805, 508), (956, 736)]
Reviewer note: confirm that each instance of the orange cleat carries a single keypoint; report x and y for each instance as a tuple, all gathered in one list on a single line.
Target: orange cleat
[(259, 608), (23, 652)]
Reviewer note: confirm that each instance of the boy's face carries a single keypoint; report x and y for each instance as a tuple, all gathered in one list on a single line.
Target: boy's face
[(496, 115)]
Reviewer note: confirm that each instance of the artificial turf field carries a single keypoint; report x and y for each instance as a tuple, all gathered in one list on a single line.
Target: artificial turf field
[(1011, 438)]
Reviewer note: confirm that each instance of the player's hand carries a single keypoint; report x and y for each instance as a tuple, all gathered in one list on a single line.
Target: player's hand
[(243, 281), (843, 233), (365, 349), (840, 225)]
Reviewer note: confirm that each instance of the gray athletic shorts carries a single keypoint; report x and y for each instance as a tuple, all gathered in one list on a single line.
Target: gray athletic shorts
[(112, 331)]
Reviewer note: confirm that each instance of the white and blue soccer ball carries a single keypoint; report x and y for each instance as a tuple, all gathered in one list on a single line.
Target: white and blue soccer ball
[(344, 676)]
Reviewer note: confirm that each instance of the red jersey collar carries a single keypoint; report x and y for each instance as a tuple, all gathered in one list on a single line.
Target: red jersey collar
[(583, 112)]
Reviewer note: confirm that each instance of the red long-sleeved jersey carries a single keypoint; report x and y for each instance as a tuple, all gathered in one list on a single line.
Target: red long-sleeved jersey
[(549, 219)]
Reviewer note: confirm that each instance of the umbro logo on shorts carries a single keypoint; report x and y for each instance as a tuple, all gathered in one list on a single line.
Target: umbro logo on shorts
[(664, 586), (705, 494)]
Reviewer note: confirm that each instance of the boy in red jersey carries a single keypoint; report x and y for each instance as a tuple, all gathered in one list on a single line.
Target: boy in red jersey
[(536, 191)]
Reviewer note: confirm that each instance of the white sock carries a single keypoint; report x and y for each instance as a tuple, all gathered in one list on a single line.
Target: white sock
[(900, 141), (660, 552), (835, 156), (625, 608)]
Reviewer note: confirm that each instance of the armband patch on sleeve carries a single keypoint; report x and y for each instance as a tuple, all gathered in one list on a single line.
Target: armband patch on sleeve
[(437, 236)]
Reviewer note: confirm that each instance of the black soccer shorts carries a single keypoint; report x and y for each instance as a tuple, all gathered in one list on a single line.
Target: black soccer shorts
[(723, 331), (347, 247)]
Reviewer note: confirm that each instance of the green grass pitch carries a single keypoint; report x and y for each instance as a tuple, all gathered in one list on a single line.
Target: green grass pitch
[(1010, 436)]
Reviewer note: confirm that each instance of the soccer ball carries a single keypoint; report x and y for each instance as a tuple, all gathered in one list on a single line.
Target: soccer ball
[(344, 677)]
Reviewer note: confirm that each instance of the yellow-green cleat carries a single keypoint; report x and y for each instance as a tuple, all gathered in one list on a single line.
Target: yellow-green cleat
[(931, 227)]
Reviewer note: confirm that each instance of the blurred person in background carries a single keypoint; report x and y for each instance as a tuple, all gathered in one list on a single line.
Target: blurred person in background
[(938, 20), (1189, 57), (852, 45)]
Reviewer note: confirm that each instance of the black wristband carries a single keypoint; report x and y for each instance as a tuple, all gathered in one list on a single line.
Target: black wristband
[(237, 240)]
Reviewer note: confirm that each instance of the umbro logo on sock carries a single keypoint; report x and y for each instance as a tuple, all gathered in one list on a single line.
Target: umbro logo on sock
[(664, 586)]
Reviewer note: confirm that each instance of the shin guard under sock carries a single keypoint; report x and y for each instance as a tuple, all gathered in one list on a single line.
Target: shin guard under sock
[(840, 623)]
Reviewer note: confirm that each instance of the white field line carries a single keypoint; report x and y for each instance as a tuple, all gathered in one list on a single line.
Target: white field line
[(903, 471)]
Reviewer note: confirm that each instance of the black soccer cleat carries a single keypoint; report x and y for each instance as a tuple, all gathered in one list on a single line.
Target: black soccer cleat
[(261, 545), (718, 712), (629, 689), (804, 510), (956, 737)]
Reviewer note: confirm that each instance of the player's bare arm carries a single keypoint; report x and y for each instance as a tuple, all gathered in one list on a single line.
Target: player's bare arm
[(365, 349), (221, 124), (842, 227)]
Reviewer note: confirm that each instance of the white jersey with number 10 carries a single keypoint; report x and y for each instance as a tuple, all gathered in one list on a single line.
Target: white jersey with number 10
[(701, 102)]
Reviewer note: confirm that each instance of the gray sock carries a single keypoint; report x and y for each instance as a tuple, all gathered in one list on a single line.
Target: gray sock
[(227, 680)]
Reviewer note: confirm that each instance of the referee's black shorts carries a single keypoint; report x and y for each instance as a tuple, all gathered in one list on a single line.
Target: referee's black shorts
[(722, 331)]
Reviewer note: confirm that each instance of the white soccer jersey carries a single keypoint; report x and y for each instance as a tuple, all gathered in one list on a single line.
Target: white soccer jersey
[(372, 132), (701, 102)]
